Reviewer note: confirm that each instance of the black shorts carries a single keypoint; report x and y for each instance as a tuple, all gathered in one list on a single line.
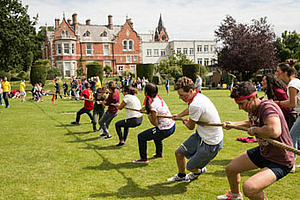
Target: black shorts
[(279, 170)]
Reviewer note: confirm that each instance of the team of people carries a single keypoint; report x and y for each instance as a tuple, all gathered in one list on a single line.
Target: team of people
[(266, 119)]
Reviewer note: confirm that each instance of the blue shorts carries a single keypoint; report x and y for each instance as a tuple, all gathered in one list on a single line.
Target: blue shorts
[(279, 170), (199, 153)]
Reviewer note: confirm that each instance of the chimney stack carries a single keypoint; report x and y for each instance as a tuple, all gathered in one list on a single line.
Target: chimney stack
[(88, 22), (110, 22), (74, 18), (56, 23), (69, 21)]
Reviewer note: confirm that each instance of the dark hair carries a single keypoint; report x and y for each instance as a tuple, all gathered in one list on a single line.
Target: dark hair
[(288, 66), (87, 85), (272, 83), (185, 83), (112, 85), (129, 90), (242, 89), (99, 90), (151, 90)]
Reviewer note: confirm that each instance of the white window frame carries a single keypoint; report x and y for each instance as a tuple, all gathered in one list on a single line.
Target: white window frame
[(132, 68), (59, 49), (149, 52), (206, 61), (89, 49), (135, 58), (185, 51), (163, 52), (130, 45), (124, 43), (73, 48), (66, 49), (191, 51), (106, 63), (120, 68), (178, 50), (155, 52), (212, 48), (128, 59), (205, 48), (199, 61), (106, 50), (199, 48)]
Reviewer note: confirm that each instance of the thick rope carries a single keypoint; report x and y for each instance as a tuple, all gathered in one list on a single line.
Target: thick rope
[(271, 141)]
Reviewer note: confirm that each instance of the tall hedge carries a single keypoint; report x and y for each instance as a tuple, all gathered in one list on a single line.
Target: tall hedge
[(145, 70), (94, 69), (38, 72), (190, 70)]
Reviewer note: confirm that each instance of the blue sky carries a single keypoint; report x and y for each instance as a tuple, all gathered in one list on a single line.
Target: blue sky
[(184, 19)]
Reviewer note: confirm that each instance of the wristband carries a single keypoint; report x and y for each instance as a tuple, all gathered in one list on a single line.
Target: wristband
[(251, 129)]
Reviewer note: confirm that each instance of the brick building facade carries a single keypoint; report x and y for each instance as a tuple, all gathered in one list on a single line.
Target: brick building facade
[(70, 43)]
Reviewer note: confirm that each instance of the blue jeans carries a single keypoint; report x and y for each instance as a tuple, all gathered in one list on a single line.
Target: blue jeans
[(5, 97), (127, 123), (156, 135), (105, 121), (295, 133), (1, 96)]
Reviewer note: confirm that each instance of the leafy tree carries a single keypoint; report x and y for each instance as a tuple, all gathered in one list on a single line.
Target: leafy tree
[(17, 34), (173, 65), (246, 48), (288, 46)]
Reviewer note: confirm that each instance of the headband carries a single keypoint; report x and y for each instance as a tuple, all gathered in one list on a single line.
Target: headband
[(245, 97)]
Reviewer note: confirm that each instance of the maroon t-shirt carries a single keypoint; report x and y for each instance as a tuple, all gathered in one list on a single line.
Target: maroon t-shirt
[(270, 152), (281, 95), (112, 98)]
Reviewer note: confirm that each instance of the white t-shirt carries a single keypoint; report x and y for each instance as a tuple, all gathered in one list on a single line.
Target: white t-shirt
[(132, 102), (202, 109), (295, 83), (158, 105)]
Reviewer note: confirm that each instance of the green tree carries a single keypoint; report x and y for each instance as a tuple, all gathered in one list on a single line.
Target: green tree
[(17, 35), (173, 65), (288, 46)]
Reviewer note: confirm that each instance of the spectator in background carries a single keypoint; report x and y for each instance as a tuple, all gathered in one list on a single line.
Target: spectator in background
[(231, 78), (93, 84), (98, 82), (65, 87), (276, 91), (198, 83), (5, 85), (22, 91), (57, 89), (167, 86), (1, 93)]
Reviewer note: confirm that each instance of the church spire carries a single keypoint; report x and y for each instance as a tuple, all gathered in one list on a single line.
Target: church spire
[(161, 32), (160, 24)]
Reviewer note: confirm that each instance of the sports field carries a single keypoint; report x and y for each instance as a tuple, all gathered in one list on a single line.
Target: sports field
[(43, 156)]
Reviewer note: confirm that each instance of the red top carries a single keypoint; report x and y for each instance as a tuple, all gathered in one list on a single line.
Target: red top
[(88, 94), (112, 98), (270, 152), (281, 95)]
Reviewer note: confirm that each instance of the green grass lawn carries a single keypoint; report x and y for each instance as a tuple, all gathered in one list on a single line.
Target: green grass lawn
[(43, 156)]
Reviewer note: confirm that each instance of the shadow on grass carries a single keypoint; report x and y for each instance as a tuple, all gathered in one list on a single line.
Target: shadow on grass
[(222, 173), (133, 190), (83, 140), (220, 162), (97, 147), (79, 133)]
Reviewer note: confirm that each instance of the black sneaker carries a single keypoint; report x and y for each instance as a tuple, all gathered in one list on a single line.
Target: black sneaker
[(75, 123), (107, 136), (102, 135), (120, 144)]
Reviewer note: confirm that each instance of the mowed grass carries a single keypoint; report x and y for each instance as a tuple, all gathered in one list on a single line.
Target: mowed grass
[(43, 156)]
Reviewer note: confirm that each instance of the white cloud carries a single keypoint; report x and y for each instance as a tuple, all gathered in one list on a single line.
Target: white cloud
[(189, 19)]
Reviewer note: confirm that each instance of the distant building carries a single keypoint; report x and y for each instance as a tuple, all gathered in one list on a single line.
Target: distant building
[(157, 47), (70, 43)]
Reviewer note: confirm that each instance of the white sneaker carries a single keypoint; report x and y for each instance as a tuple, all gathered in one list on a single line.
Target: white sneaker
[(176, 178), (293, 170), (230, 196), (191, 176)]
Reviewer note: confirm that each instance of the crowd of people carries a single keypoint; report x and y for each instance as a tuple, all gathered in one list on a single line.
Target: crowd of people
[(275, 118)]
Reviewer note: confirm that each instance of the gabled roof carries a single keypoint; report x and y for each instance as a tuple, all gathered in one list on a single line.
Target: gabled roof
[(95, 32)]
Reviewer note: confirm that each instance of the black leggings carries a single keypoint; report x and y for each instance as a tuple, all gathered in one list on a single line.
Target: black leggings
[(127, 123)]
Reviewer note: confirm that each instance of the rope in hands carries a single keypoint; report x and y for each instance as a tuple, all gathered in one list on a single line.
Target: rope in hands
[(242, 128)]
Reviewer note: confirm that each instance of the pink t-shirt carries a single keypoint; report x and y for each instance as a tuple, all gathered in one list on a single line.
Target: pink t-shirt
[(270, 152)]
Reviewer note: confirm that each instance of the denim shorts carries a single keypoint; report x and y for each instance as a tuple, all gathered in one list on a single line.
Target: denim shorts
[(279, 170), (199, 153)]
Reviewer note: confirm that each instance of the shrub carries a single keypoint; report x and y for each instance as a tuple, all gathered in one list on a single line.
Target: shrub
[(5, 74), (94, 69), (38, 72), (52, 73), (190, 71), (145, 70)]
